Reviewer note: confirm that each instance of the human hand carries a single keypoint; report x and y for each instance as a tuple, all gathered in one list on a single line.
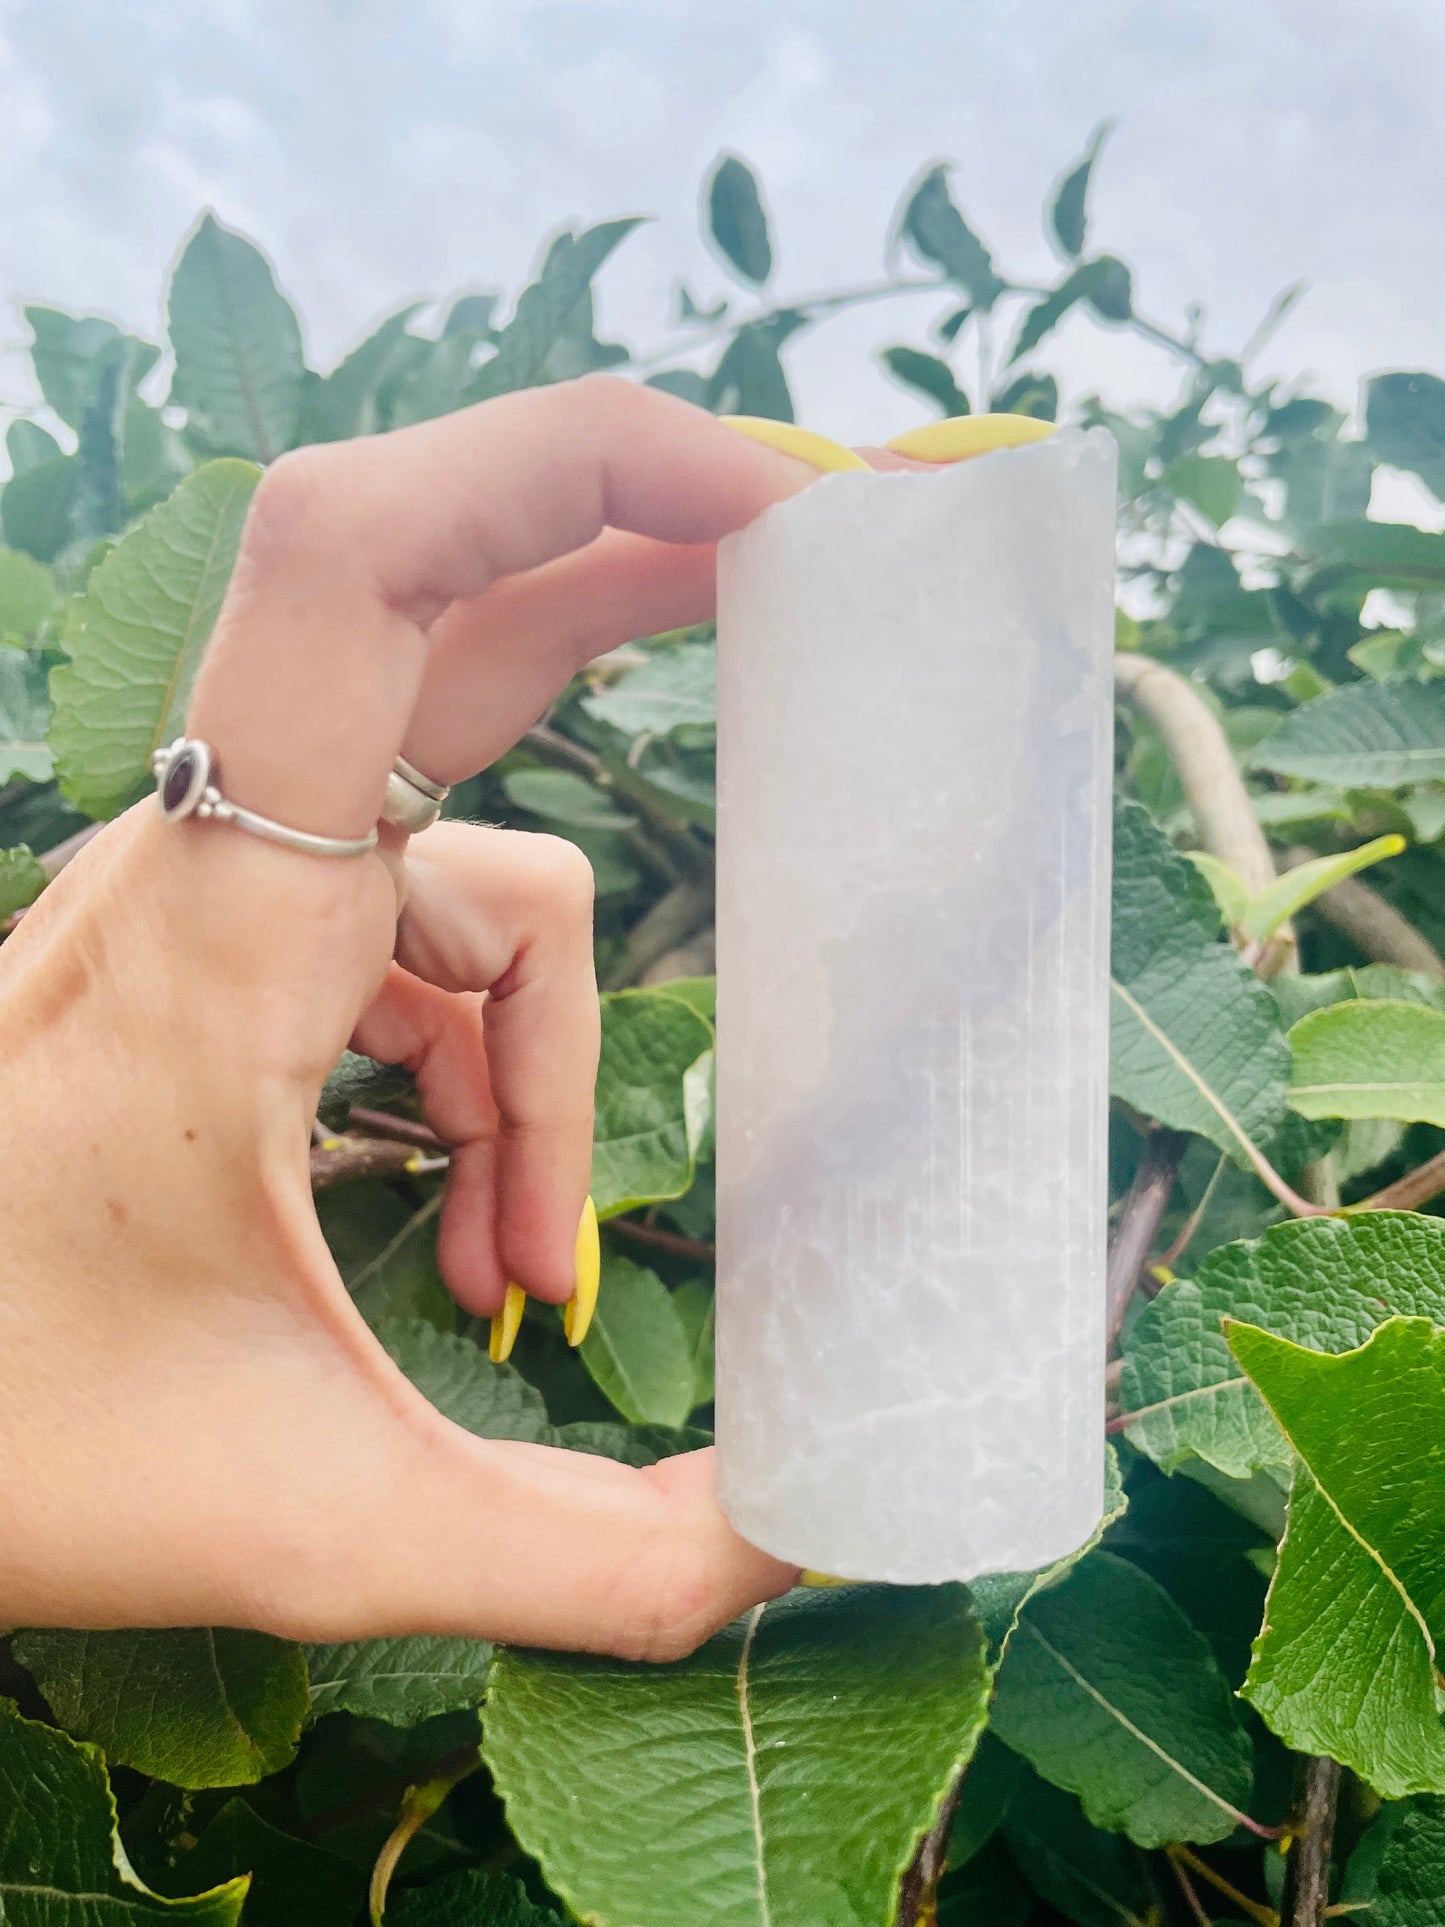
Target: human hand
[(196, 1426)]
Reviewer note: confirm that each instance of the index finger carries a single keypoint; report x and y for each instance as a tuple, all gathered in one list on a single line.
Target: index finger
[(353, 549)]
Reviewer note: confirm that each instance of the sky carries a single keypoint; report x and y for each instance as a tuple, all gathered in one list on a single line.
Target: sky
[(387, 149)]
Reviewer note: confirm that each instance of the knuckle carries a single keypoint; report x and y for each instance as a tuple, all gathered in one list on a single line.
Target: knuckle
[(673, 1603), (296, 504), (561, 875)]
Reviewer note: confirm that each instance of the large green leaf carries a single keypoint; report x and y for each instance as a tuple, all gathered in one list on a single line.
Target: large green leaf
[(1093, 282), (402, 1681), (292, 1881), (61, 1861), (1367, 735), (1322, 1282), (237, 342), (1302, 883), (1092, 1877), (675, 690), (24, 716), (37, 506), (21, 879), (1346, 1662), (1353, 557), (137, 635), (544, 309), (637, 1348), (1109, 1692), (749, 378), (736, 221), (344, 403), (1358, 1059), (643, 1150), (197, 1706), (780, 1777), (941, 235), (1405, 424), (1196, 1040)]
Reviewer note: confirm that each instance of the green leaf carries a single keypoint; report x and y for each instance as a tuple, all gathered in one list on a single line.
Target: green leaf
[(197, 1706), (37, 504), (990, 1888), (1405, 424), (563, 797), (291, 1880), (1000, 1597), (1067, 216), (456, 1376), (1322, 1282), (71, 354), (401, 1681), (1195, 1037), (345, 402), (24, 717), (1110, 289), (749, 378), (736, 220), (637, 1349), (1228, 890), (1370, 1060), (1211, 482), (1109, 1692), (28, 594), (1045, 315), (675, 689), (641, 1151), (1346, 1662), (941, 235), (629, 1444), (989, 1786), (28, 445), (21, 880), (1364, 736), (137, 635), (386, 1252), (237, 342), (1029, 394), (1094, 1878), (695, 1304), (929, 375), (1408, 1887), (545, 307), (1353, 557), (1301, 885), (825, 1728), (472, 1898), (61, 1861)]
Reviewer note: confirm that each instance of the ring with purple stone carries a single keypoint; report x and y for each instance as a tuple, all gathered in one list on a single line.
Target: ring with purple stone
[(188, 785), (413, 801)]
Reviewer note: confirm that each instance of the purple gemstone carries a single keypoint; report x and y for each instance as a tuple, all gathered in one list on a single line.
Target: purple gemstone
[(181, 785)]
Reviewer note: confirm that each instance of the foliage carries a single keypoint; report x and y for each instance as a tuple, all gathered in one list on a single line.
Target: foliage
[(1278, 1390)]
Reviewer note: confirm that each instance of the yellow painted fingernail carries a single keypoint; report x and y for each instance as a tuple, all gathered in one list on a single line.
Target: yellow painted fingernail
[(789, 439), (810, 1578), (588, 1259), (506, 1325), (964, 436)]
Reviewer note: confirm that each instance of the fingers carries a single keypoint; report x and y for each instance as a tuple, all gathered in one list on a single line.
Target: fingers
[(506, 1079), (351, 550)]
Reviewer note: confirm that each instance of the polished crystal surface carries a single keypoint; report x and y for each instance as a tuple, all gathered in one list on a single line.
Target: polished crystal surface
[(915, 740)]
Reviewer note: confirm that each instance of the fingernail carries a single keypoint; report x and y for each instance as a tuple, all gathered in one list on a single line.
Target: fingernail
[(817, 450), (506, 1325), (810, 1578), (588, 1260), (963, 436)]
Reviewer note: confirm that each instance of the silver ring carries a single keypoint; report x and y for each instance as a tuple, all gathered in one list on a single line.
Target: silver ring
[(186, 785), (413, 801)]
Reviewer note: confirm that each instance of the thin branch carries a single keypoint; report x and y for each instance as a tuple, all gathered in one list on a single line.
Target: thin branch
[(1417, 1187), (660, 1240), (1168, 1259), (1144, 1207), (1186, 1887), (405, 1130), (419, 1804), (341, 1160), (679, 846), (831, 301), (1204, 761), (1308, 1887), (1255, 1909), (680, 914), (918, 1894)]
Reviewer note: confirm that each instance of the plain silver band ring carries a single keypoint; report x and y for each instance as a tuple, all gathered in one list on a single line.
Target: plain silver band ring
[(413, 801), (185, 776)]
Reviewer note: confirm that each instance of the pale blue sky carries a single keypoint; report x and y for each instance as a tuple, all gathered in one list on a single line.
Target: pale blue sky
[(382, 150)]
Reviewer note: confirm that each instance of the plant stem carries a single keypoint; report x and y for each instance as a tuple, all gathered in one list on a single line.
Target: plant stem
[(1417, 1187), (1256, 1910), (339, 1160), (418, 1805), (1186, 1887), (679, 846), (405, 1130), (1144, 1207), (918, 1893), (830, 301), (1309, 1880), (681, 913), (662, 1240), (1375, 926)]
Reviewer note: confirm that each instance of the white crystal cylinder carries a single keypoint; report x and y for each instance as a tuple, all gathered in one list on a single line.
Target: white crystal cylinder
[(914, 758)]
